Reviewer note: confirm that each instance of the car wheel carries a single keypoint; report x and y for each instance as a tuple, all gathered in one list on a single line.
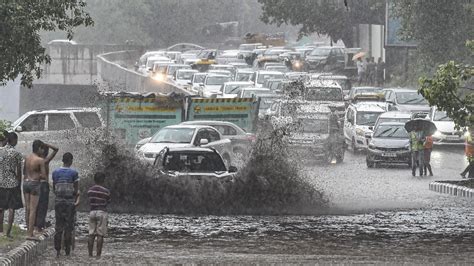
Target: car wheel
[(370, 164), (353, 145)]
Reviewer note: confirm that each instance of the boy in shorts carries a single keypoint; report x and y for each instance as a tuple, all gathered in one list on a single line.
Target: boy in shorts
[(99, 198)]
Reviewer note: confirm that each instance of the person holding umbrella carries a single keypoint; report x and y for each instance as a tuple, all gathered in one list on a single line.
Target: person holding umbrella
[(361, 67), (419, 129), (469, 151)]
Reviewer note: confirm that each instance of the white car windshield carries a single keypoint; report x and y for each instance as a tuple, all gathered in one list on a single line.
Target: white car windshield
[(441, 116), (391, 131), (324, 94), (367, 118), (199, 78), (411, 98), (217, 80), (187, 75), (263, 77), (173, 135), (252, 93), (232, 89), (243, 76)]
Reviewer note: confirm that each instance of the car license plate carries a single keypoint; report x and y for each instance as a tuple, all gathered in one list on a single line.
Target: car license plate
[(389, 154), (452, 137)]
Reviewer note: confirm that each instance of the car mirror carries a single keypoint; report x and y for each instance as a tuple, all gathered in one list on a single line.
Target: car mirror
[(204, 142), (371, 128), (18, 129), (232, 169)]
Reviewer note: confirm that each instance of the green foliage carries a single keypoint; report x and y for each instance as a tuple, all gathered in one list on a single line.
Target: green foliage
[(439, 27), (329, 17), (4, 125), (451, 90), (20, 24)]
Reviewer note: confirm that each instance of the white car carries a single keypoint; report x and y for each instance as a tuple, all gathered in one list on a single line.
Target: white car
[(232, 89), (220, 72), (243, 74), (180, 136), (358, 121), (446, 133), (259, 77), (212, 85), (150, 62), (183, 77), (251, 92)]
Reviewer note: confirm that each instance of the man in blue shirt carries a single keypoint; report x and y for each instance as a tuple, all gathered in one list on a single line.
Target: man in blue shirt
[(65, 185)]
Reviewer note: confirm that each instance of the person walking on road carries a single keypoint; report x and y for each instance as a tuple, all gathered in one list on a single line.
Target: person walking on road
[(43, 201), (428, 147), (371, 71), (66, 187), (361, 67), (469, 151), (35, 171), (416, 144), (99, 198), (10, 180), (379, 70)]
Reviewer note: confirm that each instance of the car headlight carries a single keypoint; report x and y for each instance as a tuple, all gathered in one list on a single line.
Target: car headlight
[(437, 134), (360, 132)]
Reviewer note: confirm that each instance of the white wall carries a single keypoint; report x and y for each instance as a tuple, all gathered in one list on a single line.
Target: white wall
[(10, 100)]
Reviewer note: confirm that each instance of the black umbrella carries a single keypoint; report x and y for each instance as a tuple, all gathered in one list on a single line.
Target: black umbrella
[(428, 127)]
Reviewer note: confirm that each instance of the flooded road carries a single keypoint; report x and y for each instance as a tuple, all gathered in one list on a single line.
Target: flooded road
[(381, 215)]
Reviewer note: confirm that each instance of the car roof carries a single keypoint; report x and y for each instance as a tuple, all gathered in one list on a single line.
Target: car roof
[(187, 126), (396, 114), (401, 89), (207, 122), (269, 72), (323, 83), (324, 76), (187, 70), (366, 87), (329, 47), (63, 110), (255, 89), (217, 75), (238, 83), (370, 106), (191, 149), (248, 71)]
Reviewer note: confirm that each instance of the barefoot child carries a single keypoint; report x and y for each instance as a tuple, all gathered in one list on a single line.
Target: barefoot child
[(99, 198)]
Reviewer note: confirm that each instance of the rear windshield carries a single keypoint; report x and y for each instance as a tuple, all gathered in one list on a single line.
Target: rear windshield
[(194, 162)]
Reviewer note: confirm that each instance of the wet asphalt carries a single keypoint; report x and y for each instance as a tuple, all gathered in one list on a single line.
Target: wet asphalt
[(381, 215)]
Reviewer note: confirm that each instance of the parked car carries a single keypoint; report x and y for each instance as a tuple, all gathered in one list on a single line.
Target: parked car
[(212, 85), (58, 126), (241, 140), (183, 77), (325, 58), (181, 136), (259, 77), (446, 133), (193, 162), (390, 144), (231, 89), (406, 100), (359, 121)]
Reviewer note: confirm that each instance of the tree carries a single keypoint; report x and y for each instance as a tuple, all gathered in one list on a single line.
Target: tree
[(20, 26), (452, 90), (330, 17), (439, 27)]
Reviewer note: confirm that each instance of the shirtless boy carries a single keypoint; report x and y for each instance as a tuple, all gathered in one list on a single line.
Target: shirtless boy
[(35, 171)]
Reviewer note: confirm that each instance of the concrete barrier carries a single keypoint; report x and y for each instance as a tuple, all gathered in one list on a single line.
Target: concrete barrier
[(114, 69), (26, 253), (451, 189)]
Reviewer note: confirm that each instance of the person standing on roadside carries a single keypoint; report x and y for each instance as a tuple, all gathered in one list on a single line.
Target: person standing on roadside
[(380, 69), (469, 151), (66, 187), (35, 171), (43, 201), (10, 180), (416, 144), (360, 70), (428, 147), (99, 198), (371, 71)]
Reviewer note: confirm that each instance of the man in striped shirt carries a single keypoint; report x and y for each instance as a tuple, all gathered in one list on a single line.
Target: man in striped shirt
[(99, 198)]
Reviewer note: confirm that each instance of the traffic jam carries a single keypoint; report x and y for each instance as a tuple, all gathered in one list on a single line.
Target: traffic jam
[(236, 92)]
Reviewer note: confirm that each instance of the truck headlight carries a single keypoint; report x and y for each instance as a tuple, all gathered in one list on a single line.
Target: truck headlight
[(360, 132)]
